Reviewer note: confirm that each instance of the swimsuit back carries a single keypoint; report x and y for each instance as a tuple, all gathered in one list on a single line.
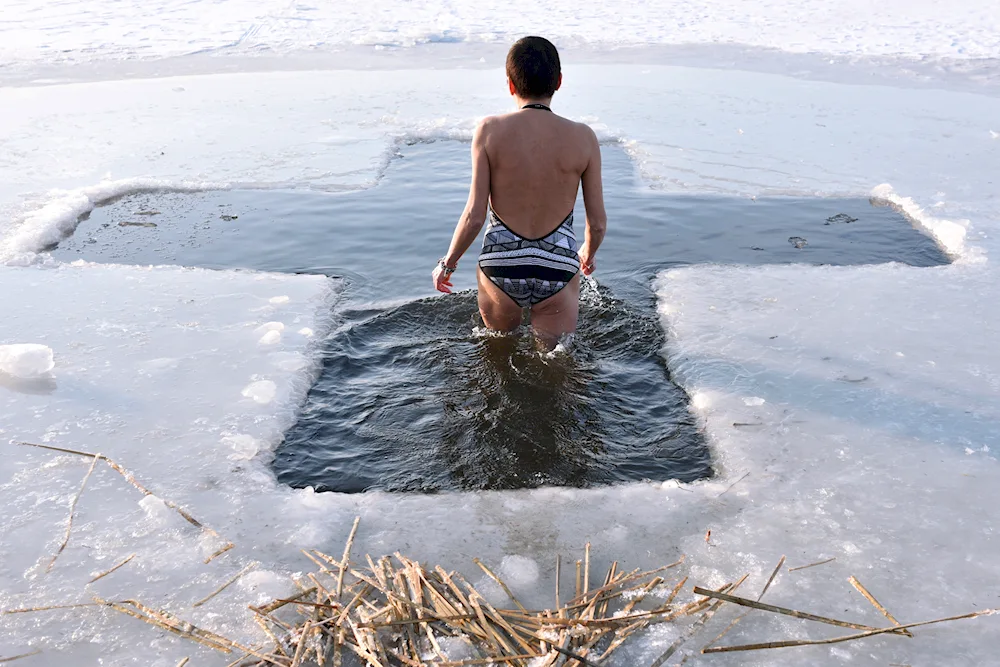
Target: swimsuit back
[(529, 270)]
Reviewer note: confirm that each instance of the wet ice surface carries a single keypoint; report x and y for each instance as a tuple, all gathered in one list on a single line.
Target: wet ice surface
[(888, 474)]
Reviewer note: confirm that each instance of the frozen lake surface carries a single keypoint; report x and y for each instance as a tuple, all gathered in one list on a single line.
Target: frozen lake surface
[(850, 411)]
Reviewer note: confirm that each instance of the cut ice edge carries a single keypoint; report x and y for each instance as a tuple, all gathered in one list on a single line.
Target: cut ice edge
[(949, 234), (57, 219)]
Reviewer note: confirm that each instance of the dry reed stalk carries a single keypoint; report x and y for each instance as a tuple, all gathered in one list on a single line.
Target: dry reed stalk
[(314, 605), (345, 562), (498, 619), (614, 620), (183, 662), (22, 655), (107, 572), (275, 605), (804, 567), (221, 551), (632, 576), (697, 625), (229, 582), (456, 592), (357, 598), (169, 627), (364, 651), (566, 652), (318, 563), (558, 574), (301, 645), (392, 597), (238, 662), (675, 591), (499, 644), (609, 581), (500, 582), (875, 603), (593, 598), (408, 639), (278, 647), (484, 661), (622, 634), (770, 580), (338, 651), (168, 621), (130, 478), (744, 602), (360, 647), (845, 638), (729, 488), (28, 610), (586, 568), (416, 583), (72, 510)]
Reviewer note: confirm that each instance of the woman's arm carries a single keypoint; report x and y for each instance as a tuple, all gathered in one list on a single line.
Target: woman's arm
[(593, 200), (474, 215)]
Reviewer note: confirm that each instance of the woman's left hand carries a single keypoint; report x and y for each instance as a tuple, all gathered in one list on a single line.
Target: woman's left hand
[(442, 279)]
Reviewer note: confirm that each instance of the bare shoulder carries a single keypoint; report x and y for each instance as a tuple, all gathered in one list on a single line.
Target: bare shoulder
[(586, 134), (486, 127)]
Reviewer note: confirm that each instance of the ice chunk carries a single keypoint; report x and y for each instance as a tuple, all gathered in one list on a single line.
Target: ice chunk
[(243, 446), (26, 360), (278, 300), (156, 510), (753, 401), (519, 571), (261, 391), (265, 585), (270, 338)]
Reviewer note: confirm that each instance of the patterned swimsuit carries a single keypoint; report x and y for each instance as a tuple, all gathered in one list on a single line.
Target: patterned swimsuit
[(528, 270)]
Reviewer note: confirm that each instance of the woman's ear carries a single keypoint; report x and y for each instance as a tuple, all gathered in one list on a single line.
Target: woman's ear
[(559, 84), (510, 86)]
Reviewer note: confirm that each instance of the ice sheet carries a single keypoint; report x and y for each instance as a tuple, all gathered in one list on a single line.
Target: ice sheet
[(862, 406), (869, 456)]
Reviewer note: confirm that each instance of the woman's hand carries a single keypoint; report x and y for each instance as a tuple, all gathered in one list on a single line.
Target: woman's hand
[(587, 261), (442, 277)]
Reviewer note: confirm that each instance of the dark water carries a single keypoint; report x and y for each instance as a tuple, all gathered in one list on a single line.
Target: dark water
[(413, 396)]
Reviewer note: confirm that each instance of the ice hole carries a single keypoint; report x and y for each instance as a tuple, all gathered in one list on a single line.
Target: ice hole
[(412, 397)]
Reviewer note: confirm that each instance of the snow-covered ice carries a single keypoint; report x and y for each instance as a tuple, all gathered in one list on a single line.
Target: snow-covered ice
[(868, 426), (118, 30)]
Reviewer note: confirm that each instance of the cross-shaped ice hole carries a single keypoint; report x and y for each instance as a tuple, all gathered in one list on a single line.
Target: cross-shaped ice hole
[(412, 397)]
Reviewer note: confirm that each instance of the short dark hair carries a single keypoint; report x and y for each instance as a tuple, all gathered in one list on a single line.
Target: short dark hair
[(533, 67)]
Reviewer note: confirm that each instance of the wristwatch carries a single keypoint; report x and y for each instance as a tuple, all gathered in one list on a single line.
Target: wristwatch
[(448, 270)]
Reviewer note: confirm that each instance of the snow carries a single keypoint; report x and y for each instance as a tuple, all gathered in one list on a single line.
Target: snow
[(120, 30), (866, 431), (26, 360)]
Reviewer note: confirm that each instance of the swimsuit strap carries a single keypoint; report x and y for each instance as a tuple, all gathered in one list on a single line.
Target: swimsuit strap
[(537, 105)]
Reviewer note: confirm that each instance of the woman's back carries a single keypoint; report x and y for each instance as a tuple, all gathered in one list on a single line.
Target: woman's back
[(536, 161)]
